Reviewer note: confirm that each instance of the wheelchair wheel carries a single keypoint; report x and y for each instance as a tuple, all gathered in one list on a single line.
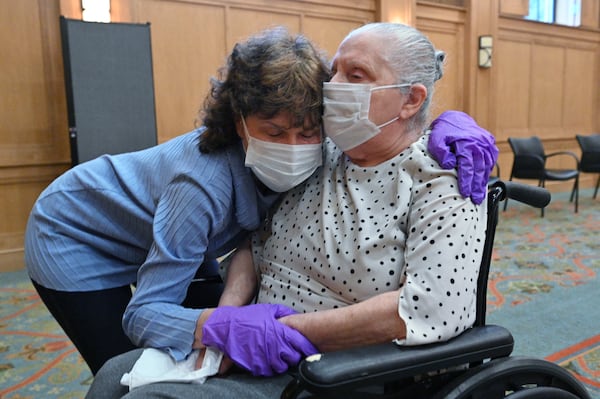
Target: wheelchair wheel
[(542, 393), (515, 378)]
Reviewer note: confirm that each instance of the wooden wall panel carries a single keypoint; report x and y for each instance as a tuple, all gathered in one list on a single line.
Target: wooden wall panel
[(544, 81), (514, 7), (20, 186), (590, 13), (578, 101), (24, 90), (545, 107), (32, 105), (191, 38), (33, 121), (445, 28), (188, 45), (242, 22), (513, 63), (327, 33), (547, 86), (448, 90)]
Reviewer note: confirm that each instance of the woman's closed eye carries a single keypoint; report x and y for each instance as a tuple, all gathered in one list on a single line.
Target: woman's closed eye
[(311, 133)]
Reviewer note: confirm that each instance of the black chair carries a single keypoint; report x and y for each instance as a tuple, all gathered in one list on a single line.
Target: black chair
[(475, 364), (530, 163), (590, 156)]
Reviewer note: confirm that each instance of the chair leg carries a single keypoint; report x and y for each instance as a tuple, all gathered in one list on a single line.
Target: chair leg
[(542, 184), (576, 192), (597, 184)]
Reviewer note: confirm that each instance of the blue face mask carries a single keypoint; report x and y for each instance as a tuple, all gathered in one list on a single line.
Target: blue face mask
[(281, 167), (346, 113)]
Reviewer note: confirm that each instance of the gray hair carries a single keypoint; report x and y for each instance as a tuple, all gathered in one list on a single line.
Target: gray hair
[(413, 58)]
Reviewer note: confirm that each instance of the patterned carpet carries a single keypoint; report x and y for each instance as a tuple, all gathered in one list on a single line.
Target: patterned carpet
[(544, 287), (37, 360)]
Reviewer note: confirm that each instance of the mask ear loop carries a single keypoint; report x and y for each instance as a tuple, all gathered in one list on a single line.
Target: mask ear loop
[(245, 129), (399, 86), (388, 122)]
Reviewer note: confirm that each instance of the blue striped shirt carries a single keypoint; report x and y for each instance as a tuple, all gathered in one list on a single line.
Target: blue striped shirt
[(150, 217)]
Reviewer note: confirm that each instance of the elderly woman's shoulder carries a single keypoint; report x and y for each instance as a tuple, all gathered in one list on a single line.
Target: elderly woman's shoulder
[(418, 150), (422, 159)]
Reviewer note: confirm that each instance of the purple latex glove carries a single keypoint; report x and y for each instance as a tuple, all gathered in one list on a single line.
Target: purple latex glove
[(254, 339), (456, 141)]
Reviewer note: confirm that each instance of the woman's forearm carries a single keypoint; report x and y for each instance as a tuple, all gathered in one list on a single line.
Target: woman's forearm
[(240, 287), (372, 321), (241, 281)]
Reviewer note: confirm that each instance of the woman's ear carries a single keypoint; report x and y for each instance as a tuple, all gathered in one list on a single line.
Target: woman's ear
[(414, 99), (239, 128)]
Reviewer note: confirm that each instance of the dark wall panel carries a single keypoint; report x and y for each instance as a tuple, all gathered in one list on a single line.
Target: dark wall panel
[(110, 90)]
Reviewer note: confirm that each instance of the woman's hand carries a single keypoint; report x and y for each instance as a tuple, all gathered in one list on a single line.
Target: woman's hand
[(240, 288), (224, 367), (456, 141), (253, 337), (226, 363)]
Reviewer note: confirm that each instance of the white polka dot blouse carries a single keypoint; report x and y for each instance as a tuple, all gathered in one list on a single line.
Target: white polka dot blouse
[(350, 233)]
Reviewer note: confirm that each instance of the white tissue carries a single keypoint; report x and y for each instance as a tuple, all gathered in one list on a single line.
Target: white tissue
[(157, 366)]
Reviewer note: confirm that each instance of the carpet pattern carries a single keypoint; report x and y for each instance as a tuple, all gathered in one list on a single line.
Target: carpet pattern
[(37, 360), (535, 255), (543, 287), (583, 360)]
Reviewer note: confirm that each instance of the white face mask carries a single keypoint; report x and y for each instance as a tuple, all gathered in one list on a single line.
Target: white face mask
[(281, 166), (346, 113)]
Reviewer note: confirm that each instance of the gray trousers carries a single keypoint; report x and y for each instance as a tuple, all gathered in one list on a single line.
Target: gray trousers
[(106, 384)]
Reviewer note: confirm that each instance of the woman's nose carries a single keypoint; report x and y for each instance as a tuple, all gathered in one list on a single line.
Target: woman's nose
[(291, 139)]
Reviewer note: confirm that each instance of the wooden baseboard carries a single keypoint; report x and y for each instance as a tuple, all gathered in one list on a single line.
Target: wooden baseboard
[(12, 260)]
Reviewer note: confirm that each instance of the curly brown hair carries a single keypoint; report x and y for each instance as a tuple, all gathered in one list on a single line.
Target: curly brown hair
[(270, 73)]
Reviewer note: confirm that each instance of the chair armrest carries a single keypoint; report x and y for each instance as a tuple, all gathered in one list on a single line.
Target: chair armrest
[(388, 361), (568, 153)]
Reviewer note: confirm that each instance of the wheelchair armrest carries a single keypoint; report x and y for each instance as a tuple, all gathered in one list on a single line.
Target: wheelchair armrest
[(389, 361)]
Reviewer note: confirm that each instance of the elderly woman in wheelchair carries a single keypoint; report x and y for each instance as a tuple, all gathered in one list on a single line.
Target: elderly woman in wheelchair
[(376, 260)]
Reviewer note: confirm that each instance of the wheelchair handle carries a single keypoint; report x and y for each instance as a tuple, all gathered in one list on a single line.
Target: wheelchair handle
[(537, 197)]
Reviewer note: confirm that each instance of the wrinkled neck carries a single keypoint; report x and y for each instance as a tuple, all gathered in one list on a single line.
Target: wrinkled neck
[(381, 148)]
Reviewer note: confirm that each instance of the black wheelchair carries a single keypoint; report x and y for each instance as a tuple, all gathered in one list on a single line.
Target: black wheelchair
[(475, 365)]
